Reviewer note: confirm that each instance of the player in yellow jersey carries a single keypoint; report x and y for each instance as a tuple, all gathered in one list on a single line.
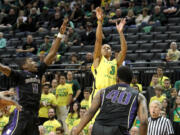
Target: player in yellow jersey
[(104, 69), (52, 123)]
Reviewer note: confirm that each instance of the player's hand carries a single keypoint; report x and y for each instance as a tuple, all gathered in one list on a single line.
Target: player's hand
[(19, 107), (120, 26), (63, 26), (7, 93), (99, 14)]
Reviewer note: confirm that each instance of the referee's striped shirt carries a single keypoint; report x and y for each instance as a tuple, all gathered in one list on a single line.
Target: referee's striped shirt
[(160, 126)]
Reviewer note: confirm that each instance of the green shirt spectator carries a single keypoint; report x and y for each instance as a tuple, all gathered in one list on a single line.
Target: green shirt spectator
[(45, 47), (177, 85), (75, 85), (2, 41)]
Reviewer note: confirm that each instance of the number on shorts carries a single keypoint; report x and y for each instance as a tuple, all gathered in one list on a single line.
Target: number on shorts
[(122, 97)]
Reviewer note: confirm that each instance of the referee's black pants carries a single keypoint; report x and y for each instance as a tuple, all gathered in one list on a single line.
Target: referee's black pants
[(22, 123), (99, 129)]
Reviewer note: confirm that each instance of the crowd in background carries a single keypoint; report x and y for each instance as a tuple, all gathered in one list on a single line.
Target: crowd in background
[(64, 101)]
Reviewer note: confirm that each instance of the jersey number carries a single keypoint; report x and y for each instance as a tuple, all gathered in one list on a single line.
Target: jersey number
[(122, 97), (112, 72), (35, 88)]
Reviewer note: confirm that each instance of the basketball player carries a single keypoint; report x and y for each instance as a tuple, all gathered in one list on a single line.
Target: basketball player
[(119, 106), (29, 91), (104, 69)]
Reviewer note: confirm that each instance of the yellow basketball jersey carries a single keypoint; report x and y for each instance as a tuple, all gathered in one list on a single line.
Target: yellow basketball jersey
[(105, 74)]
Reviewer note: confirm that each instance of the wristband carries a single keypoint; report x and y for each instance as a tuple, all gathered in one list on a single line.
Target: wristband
[(60, 35)]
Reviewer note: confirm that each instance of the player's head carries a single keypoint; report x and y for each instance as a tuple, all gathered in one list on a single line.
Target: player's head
[(82, 111), (62, 79), (134, 131), (59, 131), (51, 113), (86, 94), (45, 88), (155, 108), (106, 51), (27, 64), (158, 90), (124, 74)]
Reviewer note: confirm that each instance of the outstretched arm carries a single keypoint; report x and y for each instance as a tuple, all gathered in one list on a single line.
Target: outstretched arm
[(52, 53), (143, 114), (5, 70), (99, 33), (122, 54), (4, 102), (89, 114)]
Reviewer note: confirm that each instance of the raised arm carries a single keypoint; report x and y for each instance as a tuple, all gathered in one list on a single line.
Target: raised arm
[(99, 34), (5, 70), (143, 114), (89, 114), (122, 54), (52, 53)]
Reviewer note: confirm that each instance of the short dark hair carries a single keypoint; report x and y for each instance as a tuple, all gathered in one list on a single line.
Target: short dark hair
[(60, 129), (160, 67), (125, 74), (46, 84), (21, 62), (84, 108)]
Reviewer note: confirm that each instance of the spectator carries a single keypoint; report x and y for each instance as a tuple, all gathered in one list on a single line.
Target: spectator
[(76, 122), (34, 15), (30, 24), (136, 87), (173, 97), (117, 17), (143, 19), (134, 131), (177, 86), (73, 115), (64, 97), (77, 14), (158, 18), (6, 6), (52, 123), (19, 25), (85, 101), (43, 80), (135, 82), (171, 9), (2, 41), (48, 101), (72, 37), (3, 120), (45, 47), (89, 36), (51, 4), (160, 3), (2, 15), (75, 86), (29, 47), (166, 107), (130, 18), (59, 131), (173, 53), (167, 87), (10, 19), (158, 94), (21, 14), (161, 76), (43, 17), (164, 124), (55, 22), (54, 85), (175, 116), (88, 61)]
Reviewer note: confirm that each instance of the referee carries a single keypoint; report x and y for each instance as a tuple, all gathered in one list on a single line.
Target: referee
[(158, 125)]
